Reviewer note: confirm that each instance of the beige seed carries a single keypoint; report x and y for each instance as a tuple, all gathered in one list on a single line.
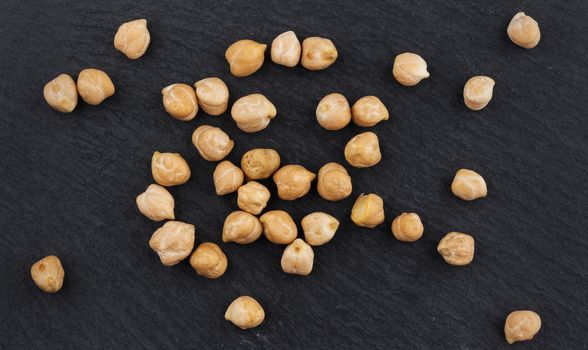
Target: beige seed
[(61, 93), (213, 95), (334, 183), (253, 112), (524, 31), (409, 69), (173, 242), (245, 57), (179, 100), (318, 53), (156, 203), (241, 227), (48, 274), (227, 178), (477, 92), (286, 49), (407, 227), (368, 211), (469, 185), (260, 163), (278, 227), (132, 38), (212, 143), (293, 181), (245, 312), (169, 169), (363, 150), (94, 86), (298, 258), (252, 197), (457, 248), (319, 228), (333, 112), (521, 325), (209, 260), (368, 111)]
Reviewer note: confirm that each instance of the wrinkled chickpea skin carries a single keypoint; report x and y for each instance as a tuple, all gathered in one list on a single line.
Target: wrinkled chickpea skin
[(318, 53), (278, 227), (260, 163), (48, 274), (524, 31), (179, 100), (209, 260), (227, 178), (319, 228), (241, 227), (156, 203), (245, 312), (213, 95), (333, 112), (253, 112), (368, 111), (409, 69), (252, 197), (521, 325), (469, 185), (293, 181), (286, 49), (368, 211), (169, 169), (298, 258), (61, 93), (245, 57), (173, 242), (94, 86), (334, 183), (477, 92), (457, 248), (363, 150), (133, 38), (212, 143), (407, 227)]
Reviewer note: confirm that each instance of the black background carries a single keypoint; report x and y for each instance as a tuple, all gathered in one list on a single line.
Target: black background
[(69, 181)]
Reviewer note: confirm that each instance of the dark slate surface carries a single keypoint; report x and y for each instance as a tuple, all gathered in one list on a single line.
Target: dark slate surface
[(68, 182)]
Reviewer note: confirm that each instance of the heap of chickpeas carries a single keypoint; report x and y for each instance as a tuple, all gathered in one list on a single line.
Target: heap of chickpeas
[(174, 241)]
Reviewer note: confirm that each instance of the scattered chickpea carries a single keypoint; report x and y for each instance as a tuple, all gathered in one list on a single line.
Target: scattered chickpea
[(368, 211), (212, 143), (333, 112), (180, 102), (477, 92), (286, 49), (156, 203), (213, 95), (169, 169), (241, 227), (260, 163), (61, 93), (48, 274), (524, 31), (521, 325), (407, 227), (334, 183), (245, 312), (409, 69), (319, 228), (368, 111), (132, 38), (318, 53), (94, 86), (293, 181), (363, 150), (173, 242), (252, 197), (457, 248), (227, 178), (209, 260), (278, 227), (469, 185), (298, 258), (245, 57), (253, 112)]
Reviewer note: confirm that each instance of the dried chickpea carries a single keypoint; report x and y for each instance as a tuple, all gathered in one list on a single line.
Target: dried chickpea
[(209, 260), (368, 111), (212, 143), (173, 242), (156, 203), (180, 102), (363, 150), (333, 112), (253, 112), (286, 49), (318, 53), (278, 227), (241, 227), (94, 86), (407, 227), (293, 181), (61, 93), (260, 163), (368, 211), (169, 169), (524, 31), (252, 197), (409, 69), (477, 92), (319, 228), (245, 312), (298, 258), (469, 185), (457, 248), (132, 38), (245, 57), (213, 95), (334, 183), (521, 325), (227, 178), (48, 274)]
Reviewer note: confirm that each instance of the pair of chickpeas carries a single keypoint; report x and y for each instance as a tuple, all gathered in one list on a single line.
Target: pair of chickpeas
[(334, 113), (181, 101)]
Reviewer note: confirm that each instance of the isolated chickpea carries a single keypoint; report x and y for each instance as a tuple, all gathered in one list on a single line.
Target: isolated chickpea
[(132, 38), (179, 100), (319, 228), (457, 248), (227, 178), (213, 95), (173, 242), (260, 163), (409, 69), (524, 31), (169, 169), (363, 150), (334, 183), (469, 185), (252, 197), (318, 53), (94, 86), (278, 227), (245, 312), (368, 211), (212, 143), (286, 49), (521, 325), (298, 258), (156, 203), (333, 112), (293, 181), (245, 57), (61, 93), (253, 112), (209, 260), (48, 274), (241, 227), (407, 227), (477, 92), (368, 111)]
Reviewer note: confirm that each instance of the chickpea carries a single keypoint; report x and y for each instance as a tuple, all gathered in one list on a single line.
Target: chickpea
[(457, 248), (286, 49), (169, 169), (477, 92), (132, 38), (368, 111), (368, 211), (48, 274), (156, 203), (252, 197), (173, 242), (253, 112), (241, 227), (524, 31), (94, 86), (213, 95), (293, 181), (469, 185), (333, 112), (245, 312), (227, 178), (61, 93), (260, 163), (278, 227), (363, 150), (209, 260), (180, 102), (409, 69), (521, 325), (319, 228), (334, 183), (212, 143), (318, 53), (245, 57), (298, 258), (407, 227)]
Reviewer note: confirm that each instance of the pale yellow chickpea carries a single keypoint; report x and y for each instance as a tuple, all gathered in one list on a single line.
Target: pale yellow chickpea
[(169, 169), (241, 227), (477, 92), (209, 260), (278, 227), (253, 112), (245, 57), (457, 248), (156, 203), (368, 111), (469, 185), (524, 31), (48, 274), (212, 143), (521, 325), (227, 178), (363, 150), (318, 53), (132, 38), (94, 86), (298, 258), (179, 100), (319, 228), (213, 95), (333, 112), (173, 242), (334, 183), (260, 163), (286, 49), (368, 211), (293, 181), (252, 197), (407, 227), (245, 312), (409, 69), (61, 93)]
